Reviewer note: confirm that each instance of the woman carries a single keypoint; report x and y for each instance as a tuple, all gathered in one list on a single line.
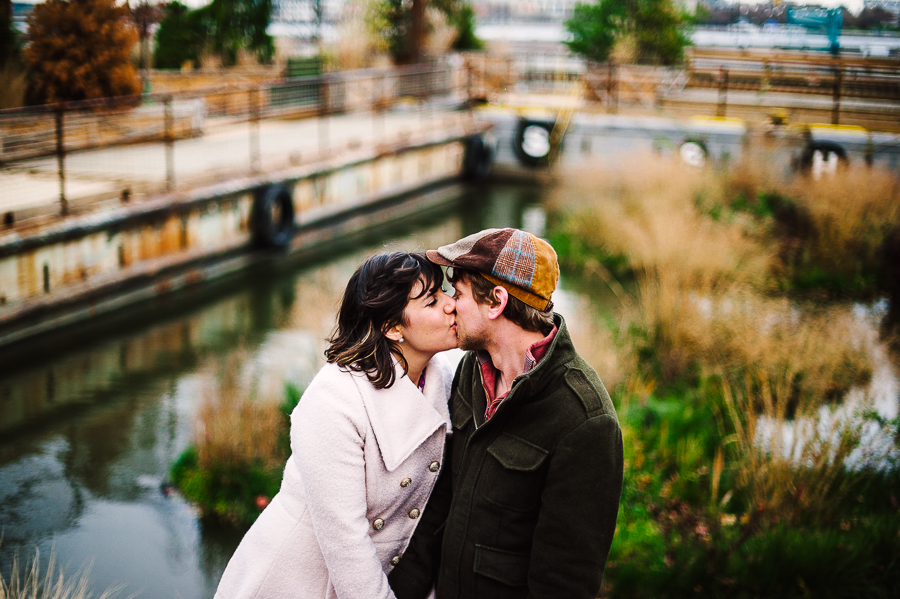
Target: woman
[(367, 441)]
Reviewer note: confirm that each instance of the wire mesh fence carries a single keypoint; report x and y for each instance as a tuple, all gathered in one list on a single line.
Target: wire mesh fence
[(65, 158)]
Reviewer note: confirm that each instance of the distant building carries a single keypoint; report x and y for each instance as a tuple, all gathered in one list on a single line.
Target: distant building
[(504, 11), (892, 6)]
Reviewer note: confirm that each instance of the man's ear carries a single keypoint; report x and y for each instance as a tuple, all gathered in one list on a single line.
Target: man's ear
[(500, 296)]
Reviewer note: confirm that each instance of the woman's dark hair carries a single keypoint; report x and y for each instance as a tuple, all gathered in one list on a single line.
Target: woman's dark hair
[(374, 301)]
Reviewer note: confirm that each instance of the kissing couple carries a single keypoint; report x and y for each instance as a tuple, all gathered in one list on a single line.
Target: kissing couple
[(408, 480)]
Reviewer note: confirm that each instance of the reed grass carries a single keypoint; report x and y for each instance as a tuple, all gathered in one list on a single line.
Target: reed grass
[(832, 231), (232, 430), (651, 212), (790, 465), (30, 581), (750, 224), (241, 443)]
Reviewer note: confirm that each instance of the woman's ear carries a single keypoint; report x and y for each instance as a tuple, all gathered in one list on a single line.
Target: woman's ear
[(395, 333)]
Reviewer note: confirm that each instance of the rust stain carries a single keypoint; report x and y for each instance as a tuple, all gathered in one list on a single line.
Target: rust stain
[(28, 275), (194, 276), (149, 242), (163, 286), (170, 236)]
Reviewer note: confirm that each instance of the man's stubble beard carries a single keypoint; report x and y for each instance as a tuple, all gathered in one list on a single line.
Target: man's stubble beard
[(470, 341)]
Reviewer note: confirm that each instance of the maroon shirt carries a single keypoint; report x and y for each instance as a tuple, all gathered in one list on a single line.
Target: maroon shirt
[(489, 374)]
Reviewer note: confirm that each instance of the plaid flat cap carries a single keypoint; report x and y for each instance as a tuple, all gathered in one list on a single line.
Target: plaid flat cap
[(517, 260)]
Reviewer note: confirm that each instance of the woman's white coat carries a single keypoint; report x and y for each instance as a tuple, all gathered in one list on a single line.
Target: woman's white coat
[(352, 447)]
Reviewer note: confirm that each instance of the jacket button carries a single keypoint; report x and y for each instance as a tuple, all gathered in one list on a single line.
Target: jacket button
[(395, 560), (377, 523), (405, 482), (414, 513), (434, 466)]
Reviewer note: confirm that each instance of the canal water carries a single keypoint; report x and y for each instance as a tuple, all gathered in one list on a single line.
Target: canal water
[(90, 423)]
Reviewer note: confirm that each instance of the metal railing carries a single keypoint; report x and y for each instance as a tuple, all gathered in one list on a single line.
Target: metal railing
[(61, 158)]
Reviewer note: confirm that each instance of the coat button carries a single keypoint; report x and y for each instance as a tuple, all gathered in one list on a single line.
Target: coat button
[(434, 466), (395, 560), (377, 523), (405, 482), (414, 513)]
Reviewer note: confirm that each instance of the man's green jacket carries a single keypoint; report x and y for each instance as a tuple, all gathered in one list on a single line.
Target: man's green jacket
[(528, 507)]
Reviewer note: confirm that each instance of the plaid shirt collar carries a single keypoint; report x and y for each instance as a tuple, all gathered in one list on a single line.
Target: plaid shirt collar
[(489, 374)]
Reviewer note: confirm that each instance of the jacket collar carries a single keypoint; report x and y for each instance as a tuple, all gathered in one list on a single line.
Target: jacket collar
[(403, 417), (561, 351)]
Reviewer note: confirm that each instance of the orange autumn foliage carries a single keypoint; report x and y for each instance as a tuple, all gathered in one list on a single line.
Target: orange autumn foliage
[(80, 50)]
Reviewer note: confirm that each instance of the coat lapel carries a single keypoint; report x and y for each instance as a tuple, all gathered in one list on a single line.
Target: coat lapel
[(402, 417)]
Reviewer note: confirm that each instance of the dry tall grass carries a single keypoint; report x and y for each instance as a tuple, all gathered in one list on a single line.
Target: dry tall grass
[(30, 582), (651, 210), (733, 330), (837, 224), (788, 467), (704, 308), (850, 216), (233, 430)]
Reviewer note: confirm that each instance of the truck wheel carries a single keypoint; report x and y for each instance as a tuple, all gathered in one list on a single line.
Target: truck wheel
[(821, 158), (478, 158), (693, 153), (532, 142)]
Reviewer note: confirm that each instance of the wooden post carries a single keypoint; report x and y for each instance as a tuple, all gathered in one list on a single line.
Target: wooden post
[(61, 160), (255, 166), (169, 139), (722, 107), (325, 99), (612, 97), (836, 107)]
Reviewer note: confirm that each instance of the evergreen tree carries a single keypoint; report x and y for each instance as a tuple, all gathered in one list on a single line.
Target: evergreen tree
[(9, 39), (464, 21), (80, 50), (221, 28), (655, 27), (179, 39)]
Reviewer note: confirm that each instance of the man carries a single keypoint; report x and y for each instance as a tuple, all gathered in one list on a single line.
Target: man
[(528, 505)]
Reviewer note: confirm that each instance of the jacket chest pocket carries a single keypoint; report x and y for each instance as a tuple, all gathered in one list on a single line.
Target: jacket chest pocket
[(513, 473)]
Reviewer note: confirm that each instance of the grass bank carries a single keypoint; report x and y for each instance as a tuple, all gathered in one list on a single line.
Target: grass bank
[(757, 463)]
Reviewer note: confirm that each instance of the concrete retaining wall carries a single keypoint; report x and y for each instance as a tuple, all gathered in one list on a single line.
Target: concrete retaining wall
[(83, 266)]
